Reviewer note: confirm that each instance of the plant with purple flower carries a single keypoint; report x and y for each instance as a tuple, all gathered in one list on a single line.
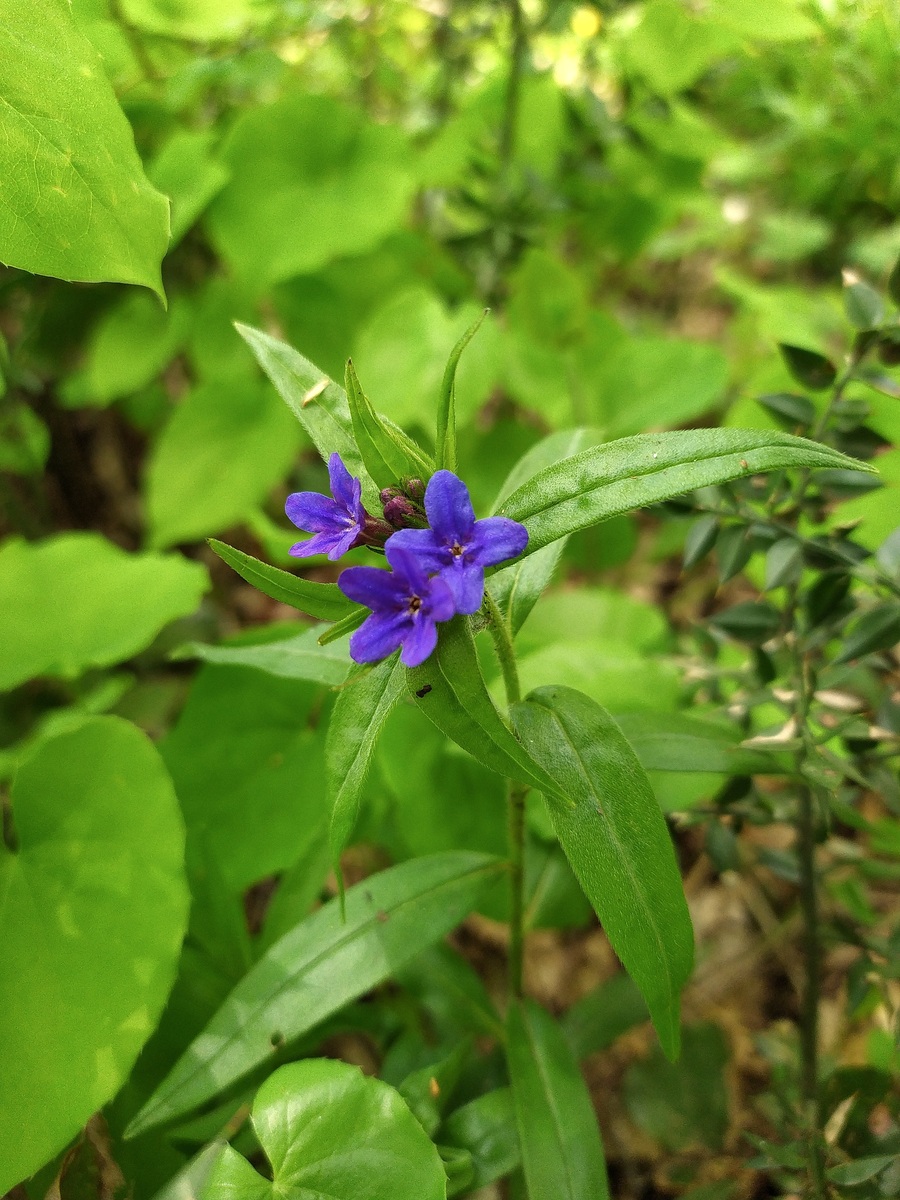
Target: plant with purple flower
[(456, 545), (338, 522), (406, 605)]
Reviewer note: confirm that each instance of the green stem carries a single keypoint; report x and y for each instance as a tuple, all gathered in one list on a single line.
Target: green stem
[(515, 804), (518, 47)]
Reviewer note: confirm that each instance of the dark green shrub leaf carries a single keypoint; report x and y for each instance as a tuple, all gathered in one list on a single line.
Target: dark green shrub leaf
[(84, 209), (843, 483), (486, 1127), (810, 369), (784, 563), (83, 976), (356, 721), (678, 742), (700, 539), (853, 1173), (562, 1153), (323, 600), (863, 305), (603, 1015), (734, 548), (633, 472), (879, 629), (825, 598), (633, 885), (889, 345), (321, 965), (789, 409), (753, 622), (328, 1130)]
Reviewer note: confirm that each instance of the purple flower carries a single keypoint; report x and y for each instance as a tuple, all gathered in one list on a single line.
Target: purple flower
[(405, 605), (456, 545), (337, 524)]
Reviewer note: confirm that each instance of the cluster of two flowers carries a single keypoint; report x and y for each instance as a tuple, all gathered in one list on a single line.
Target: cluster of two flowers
[(435, 572)]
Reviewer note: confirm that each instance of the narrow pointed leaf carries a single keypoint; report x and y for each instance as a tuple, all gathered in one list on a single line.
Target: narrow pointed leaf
[(298, 657), (445, 442), (388, 453), (614, 478), (356, 721), (679, 742), (562, 1152), (517, 588), (320, 966), (617, 842), (323, 600), (450, 690)]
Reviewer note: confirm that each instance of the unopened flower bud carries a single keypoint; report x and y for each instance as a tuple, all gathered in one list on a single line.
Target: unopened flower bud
[(386, 495), (401, 513), (415, 489)]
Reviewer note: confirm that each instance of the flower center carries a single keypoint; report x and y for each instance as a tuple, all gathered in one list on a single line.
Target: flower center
[(456, 549), (415, 603)]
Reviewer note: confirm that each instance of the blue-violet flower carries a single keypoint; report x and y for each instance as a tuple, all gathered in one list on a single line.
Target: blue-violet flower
[(405, 605), (338, 524), (456, 545)]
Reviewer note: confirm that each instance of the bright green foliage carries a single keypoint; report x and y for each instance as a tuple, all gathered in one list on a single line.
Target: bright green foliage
[(95, 907), (83, 208), (240, 425), (328, 1130), (323, 600), (617, 842), (77, 601), (320, 966), (297, 657), (200, 20), (311, 180), (633, 472), (562, 1154)]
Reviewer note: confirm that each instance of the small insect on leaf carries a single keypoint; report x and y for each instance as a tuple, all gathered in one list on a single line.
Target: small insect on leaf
[(434, 1088), (745, 464), (422, 692)]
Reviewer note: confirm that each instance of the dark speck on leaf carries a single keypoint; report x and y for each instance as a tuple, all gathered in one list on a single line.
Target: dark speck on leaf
[(382, 917), (423, 691), (277, 1040)]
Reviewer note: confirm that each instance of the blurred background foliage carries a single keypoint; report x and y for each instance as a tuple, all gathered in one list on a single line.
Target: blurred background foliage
[(647, 197)]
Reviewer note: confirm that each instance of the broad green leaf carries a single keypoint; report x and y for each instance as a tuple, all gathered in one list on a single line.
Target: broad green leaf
[(315, 400), (671, 46), (297, 657), (765, 20), (197, 20), (224, 448), (359, 713), (327, 1130), (323, 600), (388, 453), (679, 742), (249, 767), (450, 689), (616, 839), (320, 966), (312, 180), (190, 1182), (94, 911), (808, 367), (877, 629), (188, 172), (518, 587), (76, 601), (860, 1170), (632, 472), (445, 440), (83, 209), (486, 1127), (562, 1154), (684, 1103), (608, 670)]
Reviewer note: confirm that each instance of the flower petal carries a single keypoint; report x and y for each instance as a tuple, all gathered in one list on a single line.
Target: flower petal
[(419, 642), (449, 508), (345, 489), (409, 567), (314, 512), (467, 585), (441, 602), (376, 589), (344, 543), (379, 635), (429, 550), (321, 543), (495, 539)]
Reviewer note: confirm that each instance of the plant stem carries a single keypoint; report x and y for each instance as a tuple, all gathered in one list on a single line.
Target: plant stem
[(515, 804), (518, 47)]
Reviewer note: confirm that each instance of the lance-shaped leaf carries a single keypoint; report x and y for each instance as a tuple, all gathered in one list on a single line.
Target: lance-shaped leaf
[(300, 656), (74, 199), (617, 843), (320, 966), (562, 1153), (445, 441), (450, 689), (388, 453), (678, 742), (607, 480), (517, 588), (317, 402), (323, 600), (359, 714)]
